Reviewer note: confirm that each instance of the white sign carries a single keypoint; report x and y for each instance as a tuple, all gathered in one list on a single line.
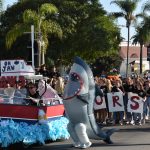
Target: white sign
[(99, 103), (15, 68), (115, 101), (135, 103)]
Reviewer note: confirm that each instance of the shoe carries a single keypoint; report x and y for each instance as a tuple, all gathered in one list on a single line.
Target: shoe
[(77, 145), (104, 122), (121, 123), (83, 146), (132, 122), (146, 118), (140, 124)]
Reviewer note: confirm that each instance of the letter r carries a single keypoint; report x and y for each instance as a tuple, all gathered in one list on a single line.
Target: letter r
[(115, 101)]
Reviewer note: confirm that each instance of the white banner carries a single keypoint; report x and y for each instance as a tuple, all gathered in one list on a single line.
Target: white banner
[(115, 102), (135, 103), (99, 103), (15, 68)]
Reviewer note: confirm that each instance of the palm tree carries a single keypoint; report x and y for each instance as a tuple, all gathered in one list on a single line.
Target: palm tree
[(1, 6), (1, 9), (42, 24), (146, 20), (1, 2), (128, 7), (140, 37), (147, 6)]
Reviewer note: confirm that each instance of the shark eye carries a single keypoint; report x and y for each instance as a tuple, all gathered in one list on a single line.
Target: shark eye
[(74, 77)]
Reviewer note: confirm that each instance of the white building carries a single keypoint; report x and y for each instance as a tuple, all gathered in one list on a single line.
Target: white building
[(134, 56)]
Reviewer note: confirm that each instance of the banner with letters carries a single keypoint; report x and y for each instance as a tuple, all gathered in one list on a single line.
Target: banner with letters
[(135, 103), (115, 102), (15, 68), (99, 103)]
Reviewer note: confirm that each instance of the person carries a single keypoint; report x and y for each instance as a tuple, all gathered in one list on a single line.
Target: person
[(108, 90), (43, 71), (103, 88), (59, 86), (53, 72), (146, 110), (118, 87), (33, 97), (129, 87), (99, 113), (139, 89)]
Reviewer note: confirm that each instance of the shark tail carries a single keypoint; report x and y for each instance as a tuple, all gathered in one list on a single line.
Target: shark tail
[(109, 133)]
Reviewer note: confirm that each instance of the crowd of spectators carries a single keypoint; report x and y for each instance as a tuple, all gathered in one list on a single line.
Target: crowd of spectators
[(138, 85)]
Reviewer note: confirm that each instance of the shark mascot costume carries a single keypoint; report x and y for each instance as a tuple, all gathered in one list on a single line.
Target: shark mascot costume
[(79, 96)]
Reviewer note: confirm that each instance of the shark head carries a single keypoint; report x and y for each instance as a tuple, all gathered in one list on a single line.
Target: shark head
[(80, 80)]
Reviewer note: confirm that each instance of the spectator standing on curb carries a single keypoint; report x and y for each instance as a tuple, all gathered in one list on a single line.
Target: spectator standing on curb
[(139, 89), (128, 87), (117, 87), (147, 102)]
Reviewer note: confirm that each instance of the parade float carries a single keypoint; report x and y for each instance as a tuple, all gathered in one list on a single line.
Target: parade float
[(26, 123)]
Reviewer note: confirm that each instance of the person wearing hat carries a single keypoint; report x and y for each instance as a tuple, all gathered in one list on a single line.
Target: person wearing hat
[(33, 95)]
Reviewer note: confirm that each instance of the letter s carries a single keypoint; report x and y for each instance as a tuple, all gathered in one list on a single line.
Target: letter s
[(136, 104)]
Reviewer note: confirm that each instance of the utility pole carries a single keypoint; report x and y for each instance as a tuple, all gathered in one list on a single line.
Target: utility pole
[(32, 44), (33, 54)]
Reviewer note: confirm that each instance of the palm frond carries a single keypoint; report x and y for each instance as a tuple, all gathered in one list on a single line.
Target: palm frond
[(140, 15), (142, 35), (1, 5), (117, 2), (17, 31), (116, 14), (51, 27), (126, 5), (40, 22), (146, 6), (30, 16), (48, 9)]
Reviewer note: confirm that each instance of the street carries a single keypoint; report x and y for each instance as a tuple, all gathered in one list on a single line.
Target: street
[(127, 138)]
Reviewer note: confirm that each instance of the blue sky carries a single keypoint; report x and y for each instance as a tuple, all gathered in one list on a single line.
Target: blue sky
[(113, 8), (107, 7)]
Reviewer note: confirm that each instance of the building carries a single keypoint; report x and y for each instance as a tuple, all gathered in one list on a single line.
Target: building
[(133, 59)]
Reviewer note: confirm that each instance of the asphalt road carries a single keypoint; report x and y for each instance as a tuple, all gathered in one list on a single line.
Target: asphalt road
[(128, 137)]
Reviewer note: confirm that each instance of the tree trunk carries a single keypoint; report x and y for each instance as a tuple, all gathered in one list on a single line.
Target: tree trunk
[(43, 57), (141, 55), (39, 53), (128, 50)]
